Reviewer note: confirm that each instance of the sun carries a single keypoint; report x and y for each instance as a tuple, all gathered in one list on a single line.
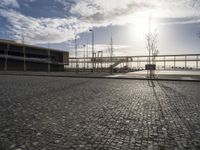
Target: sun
[(142, 23)]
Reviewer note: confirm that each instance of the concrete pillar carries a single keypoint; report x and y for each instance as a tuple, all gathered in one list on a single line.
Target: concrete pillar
[(6, 57)]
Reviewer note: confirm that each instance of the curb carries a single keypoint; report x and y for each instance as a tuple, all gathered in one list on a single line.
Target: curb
[(98, 77)]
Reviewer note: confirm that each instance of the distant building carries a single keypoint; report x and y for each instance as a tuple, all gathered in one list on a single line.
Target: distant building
[(22, 57)]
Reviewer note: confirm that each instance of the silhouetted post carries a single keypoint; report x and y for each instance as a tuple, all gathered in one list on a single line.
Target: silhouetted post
[(87, 57), (174, 62), (164, 63), (84, 56), (98, 52), (24, 52), (185, 62), (23, 49), (111, 54), (76, 54), (101, 60), (94, 61), (98, 59), (49, 59), (6, 57), (92, 49), (127, 63), (198, 34)]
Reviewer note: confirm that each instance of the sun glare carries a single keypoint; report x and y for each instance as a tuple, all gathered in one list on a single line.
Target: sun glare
[(141, 24)]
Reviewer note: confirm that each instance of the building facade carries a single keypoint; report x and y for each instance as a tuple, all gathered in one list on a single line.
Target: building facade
[(22, 57)]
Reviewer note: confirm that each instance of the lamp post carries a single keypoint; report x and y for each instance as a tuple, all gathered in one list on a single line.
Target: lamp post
[(24, 51), (111, 54), (87, 57), (92, 49), (76, 53), (84, 56)]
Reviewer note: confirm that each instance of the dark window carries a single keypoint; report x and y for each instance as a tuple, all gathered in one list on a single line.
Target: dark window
[(3, 48)]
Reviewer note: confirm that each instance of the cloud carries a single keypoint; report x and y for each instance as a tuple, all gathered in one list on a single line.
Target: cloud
[(177, 20), (43, 30), (82, 15), (57, 30), (67, 4), (105, 12), (198, 34), (9, 3), (98, 11)]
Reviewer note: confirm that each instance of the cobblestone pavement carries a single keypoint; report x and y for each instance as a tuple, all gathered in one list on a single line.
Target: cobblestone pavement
[(45, 113)]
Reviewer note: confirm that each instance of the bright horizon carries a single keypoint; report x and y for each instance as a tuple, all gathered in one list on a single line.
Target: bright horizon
[(56, 22)]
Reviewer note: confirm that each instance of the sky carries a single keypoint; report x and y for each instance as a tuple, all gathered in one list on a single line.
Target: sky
[(54, 24)]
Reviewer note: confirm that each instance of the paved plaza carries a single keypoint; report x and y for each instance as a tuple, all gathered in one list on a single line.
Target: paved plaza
[(52, 113)]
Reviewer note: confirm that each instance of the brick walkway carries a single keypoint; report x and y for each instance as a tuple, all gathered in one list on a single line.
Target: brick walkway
[(64, 113)]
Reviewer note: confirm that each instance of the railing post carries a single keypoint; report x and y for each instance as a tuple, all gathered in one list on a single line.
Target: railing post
[(102, 61), (127, 61), (164, 63), (185, 62), (174, 62), (197, 62)]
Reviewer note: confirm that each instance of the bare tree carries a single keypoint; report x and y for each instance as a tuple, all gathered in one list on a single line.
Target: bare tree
[(152, 42), (154, 48)]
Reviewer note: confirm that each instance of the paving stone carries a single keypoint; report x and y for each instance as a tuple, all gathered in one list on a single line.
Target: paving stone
[(48, 113)]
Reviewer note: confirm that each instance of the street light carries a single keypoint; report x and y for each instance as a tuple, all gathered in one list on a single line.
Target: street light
[(76, 53), (84, 55), (92, 49), (87, 57), (111, 54)]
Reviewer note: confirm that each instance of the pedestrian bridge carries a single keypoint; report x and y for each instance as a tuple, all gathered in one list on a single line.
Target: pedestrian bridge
[(163, 62)]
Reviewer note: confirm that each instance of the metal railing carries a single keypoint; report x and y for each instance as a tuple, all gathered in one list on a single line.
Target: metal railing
[(164, 62)]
